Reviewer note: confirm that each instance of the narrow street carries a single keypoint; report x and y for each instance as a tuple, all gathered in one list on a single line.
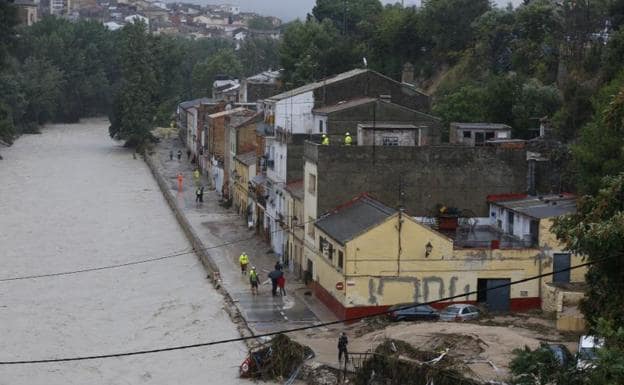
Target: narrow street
[(73, 199), (216, 225)]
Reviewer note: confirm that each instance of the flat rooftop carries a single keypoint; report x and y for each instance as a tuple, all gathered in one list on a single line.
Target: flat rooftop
[(539, 207), (481, 237)]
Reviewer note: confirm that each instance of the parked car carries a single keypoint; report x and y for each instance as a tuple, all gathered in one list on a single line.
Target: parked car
[(401, 312), (459, 312), (587, 348), (561, 353)]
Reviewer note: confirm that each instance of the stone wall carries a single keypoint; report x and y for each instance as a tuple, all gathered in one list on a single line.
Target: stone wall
[(455, 176)]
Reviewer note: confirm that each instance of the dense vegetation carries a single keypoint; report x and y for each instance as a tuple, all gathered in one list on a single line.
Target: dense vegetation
[(61, 71)]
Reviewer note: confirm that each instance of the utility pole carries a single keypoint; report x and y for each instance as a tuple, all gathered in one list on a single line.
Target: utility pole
[(402, 186)]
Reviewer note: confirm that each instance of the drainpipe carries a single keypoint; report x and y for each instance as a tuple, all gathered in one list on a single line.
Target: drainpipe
[(400, 246)]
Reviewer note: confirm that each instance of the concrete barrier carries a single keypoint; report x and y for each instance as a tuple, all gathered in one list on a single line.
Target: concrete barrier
[(188, 230)]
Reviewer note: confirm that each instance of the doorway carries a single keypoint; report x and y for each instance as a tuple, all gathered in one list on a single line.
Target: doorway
[(561, 261), (496, 298)]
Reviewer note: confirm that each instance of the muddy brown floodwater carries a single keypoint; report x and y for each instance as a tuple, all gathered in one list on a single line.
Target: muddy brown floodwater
[(73, 199)]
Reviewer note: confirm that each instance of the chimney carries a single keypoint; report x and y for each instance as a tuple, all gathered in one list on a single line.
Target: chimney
[(408, 73)]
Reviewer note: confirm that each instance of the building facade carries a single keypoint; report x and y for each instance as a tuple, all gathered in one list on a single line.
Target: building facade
[(368, 256)]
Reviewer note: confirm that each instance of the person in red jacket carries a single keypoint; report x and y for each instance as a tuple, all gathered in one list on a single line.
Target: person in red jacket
[(281, 283)]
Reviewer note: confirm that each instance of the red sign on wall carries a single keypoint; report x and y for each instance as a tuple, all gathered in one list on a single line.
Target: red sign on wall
[(339, 286)]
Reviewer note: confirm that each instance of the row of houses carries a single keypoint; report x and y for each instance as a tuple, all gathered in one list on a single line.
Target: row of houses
[(399, 215)]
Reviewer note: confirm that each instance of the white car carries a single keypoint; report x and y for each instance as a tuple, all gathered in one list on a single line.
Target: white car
[(587, 348), (459, 312)]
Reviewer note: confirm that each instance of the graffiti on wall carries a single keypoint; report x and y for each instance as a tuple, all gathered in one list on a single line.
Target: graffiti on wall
[(423, 290)]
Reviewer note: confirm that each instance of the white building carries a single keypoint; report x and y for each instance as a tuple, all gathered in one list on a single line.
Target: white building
[(60, 7)]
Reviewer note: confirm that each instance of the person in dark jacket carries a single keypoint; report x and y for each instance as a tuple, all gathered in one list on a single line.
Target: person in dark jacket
[(343, 341), (274, 275)]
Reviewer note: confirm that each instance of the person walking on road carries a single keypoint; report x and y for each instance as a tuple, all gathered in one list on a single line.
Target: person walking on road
[(244, 261), (278, 265), (281, 283), (180, 181), (179, 155), (198, 194), (343, 341), (170, 154), (196, 176), (253, 280), (274, 275), (201, 194), (325, 140), (188, 154)]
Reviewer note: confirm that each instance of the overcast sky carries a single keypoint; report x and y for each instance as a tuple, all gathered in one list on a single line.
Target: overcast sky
[(291, 9)]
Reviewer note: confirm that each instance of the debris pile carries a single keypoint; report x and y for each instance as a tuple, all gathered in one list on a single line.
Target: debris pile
[(398, 363), (276, 359)]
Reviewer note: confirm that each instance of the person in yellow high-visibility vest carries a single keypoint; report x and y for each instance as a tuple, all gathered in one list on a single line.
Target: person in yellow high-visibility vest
[(325, 140), (244, 261), (196, 176), (348, 139)]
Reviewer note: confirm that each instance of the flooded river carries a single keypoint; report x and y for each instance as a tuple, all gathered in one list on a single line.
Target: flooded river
[(73, 199)]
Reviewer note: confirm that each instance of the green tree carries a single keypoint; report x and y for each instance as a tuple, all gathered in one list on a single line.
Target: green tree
[(596, 231), (258, 54), (533, 100), (8, 21), (310, 51), (449, 23), (134, 104), (223, 62), (350, 17), (41, 83), (466, 104), (494, 35), (599, 151), (538, 31), (398, 39)]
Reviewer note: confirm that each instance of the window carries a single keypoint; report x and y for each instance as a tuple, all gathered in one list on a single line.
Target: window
[(390, 140), (320, 126), (467, 134), (340, 260), (321, 243), (489, 135), (510, 222), (312, 183)]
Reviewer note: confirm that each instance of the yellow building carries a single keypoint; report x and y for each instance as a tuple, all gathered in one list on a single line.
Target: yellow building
[(368, 256), (244, 170)]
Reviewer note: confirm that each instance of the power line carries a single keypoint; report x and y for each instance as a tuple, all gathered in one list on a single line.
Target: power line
[(292, 330), (116, 266), (96, 268)]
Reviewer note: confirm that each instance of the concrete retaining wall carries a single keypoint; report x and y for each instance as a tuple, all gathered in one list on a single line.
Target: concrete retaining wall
[(197, 244)]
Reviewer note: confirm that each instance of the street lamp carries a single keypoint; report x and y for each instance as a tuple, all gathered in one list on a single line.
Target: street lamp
[(428, 249)]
